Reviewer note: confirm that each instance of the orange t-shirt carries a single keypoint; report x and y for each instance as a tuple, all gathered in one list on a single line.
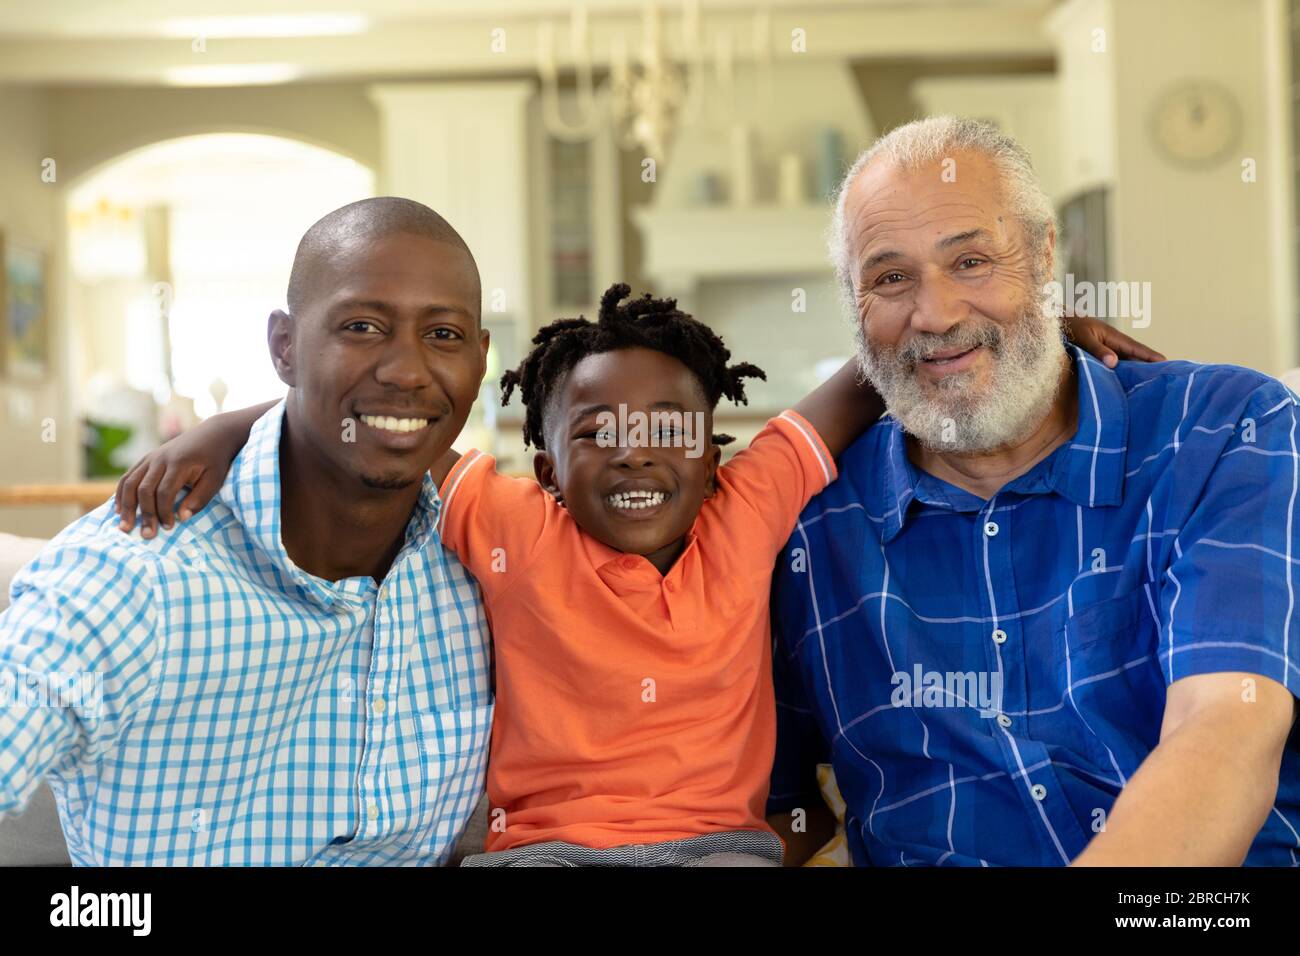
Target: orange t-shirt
[(632, 707)]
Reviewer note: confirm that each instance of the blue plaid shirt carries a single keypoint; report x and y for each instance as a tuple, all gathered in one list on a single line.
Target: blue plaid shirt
[(985, 676), (235, 709)]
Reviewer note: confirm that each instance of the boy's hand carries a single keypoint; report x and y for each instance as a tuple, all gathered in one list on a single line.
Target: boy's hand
[(1106, 342), (197, 459), (157, 479)]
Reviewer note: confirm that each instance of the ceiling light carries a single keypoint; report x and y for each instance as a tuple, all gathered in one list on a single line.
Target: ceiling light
[(231, 74)]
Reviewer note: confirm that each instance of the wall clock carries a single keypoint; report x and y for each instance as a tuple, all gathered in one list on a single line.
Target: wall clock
[(1196, 123)]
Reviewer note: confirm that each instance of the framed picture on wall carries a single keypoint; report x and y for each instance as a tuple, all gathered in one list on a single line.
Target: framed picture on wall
[(24, 309)]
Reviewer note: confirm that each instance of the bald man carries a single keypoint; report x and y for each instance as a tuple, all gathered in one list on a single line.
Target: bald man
[(298, 674)]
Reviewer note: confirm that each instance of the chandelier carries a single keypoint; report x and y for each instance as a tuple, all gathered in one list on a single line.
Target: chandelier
[(107, 241), (649, 98)]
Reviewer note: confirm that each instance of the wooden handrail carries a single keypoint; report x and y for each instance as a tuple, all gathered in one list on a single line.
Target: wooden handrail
[(87, 495)]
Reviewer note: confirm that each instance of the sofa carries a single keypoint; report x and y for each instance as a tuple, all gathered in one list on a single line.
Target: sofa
[(36, 837)]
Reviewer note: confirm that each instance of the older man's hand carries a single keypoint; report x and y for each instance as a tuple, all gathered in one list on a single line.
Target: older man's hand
[(1107, 343)]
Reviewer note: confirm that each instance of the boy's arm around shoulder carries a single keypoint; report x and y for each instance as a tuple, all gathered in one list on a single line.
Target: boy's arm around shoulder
[(494, 523), (197, 459), (841, 408)]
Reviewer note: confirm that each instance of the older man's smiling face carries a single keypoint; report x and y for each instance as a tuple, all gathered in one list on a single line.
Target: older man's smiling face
[(952, 330)]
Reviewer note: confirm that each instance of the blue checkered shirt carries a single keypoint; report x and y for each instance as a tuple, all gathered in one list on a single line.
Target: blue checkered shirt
[(985, 676), (247, 712)]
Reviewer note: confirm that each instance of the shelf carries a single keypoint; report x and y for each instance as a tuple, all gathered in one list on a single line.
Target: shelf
[(687, 245)]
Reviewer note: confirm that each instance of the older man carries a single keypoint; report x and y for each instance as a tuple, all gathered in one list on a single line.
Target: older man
[(1047, 615), (299, 673)]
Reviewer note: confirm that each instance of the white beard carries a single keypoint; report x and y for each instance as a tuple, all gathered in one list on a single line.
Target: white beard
[(955, 414)]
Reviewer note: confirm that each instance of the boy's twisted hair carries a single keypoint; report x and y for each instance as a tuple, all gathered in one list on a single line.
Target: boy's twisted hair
[(646, 322)]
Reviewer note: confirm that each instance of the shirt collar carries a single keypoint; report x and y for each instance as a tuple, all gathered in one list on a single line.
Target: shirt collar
[(602, 556), (1087, 470), (252, 492)]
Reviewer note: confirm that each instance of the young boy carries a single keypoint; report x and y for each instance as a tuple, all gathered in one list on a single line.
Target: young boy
[(627, 587)]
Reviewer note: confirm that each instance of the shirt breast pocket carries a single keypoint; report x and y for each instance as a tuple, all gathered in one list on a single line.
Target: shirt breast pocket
[(453, 746), (454, 730), (1109, 674), (1107, 634)]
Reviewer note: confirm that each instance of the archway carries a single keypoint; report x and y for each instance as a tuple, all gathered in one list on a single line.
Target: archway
[(177, 252)]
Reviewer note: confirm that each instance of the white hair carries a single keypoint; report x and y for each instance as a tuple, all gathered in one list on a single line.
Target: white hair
[(926, 140)]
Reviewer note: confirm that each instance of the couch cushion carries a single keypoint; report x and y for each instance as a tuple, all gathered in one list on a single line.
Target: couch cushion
[(475, 835), (36, 837), (14, 553)]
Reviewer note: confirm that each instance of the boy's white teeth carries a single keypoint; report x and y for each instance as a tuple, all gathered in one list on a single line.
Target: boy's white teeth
[(636, 500), (390, 424)]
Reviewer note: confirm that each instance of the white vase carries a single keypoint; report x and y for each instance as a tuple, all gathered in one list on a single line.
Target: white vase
[(744, 187)]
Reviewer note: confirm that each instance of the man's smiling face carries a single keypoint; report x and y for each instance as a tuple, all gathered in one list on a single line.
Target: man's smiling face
[(385, 357), (951, 326)]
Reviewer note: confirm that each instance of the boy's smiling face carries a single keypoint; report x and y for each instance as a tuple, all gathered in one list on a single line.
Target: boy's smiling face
[(594, 476)]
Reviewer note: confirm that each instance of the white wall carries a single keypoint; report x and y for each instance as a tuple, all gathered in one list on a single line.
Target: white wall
[(92, 125), (31, 211), (1202, 239), (1210, 244)]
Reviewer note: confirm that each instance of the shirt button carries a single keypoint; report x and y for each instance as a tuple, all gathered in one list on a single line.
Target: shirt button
[(1038, 791), (372, 810), (991, 528), (380, 705), (630, 563), (1004, 721), (999, 636), (383, 593), (670, 586)]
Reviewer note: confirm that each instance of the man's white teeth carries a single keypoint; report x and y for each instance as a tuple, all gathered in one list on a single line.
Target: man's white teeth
[(950, 358), (636, 500), (390, 424)]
